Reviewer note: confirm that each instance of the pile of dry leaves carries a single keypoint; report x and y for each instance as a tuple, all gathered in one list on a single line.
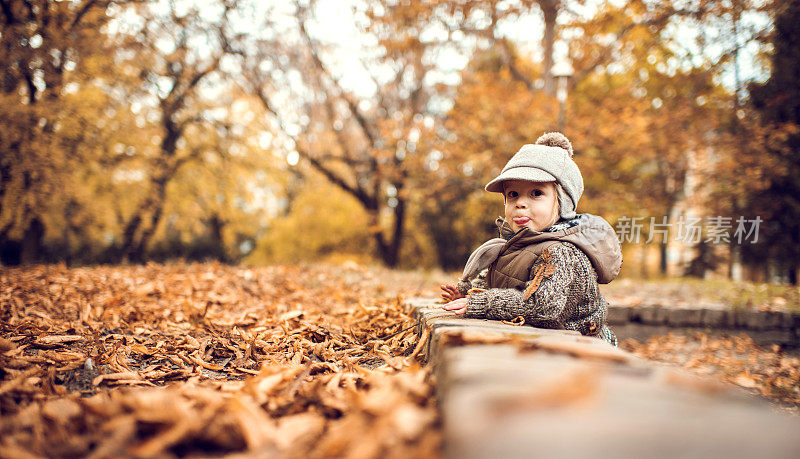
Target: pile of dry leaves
[(770, 372), (208, 360)]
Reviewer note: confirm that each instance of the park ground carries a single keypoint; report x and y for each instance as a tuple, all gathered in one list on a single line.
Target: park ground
[(309, 360)]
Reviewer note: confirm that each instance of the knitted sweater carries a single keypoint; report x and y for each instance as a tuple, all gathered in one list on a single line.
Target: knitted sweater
[(561, 292)]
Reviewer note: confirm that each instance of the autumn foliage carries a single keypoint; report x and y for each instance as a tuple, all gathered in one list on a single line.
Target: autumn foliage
[(208, 359), (245, 131), (143, 130), (770, 372)]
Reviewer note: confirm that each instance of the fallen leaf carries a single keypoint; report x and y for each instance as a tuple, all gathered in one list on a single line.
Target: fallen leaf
[(56, 340)]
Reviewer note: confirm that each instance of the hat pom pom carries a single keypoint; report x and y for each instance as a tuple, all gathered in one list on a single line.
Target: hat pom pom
[(555, 139)]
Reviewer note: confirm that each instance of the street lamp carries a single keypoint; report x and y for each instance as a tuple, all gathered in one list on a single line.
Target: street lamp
[(562, 72)]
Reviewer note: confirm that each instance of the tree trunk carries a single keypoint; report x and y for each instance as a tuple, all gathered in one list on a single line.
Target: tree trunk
[(138, 254), (389, 251), (133, 250), (215, 226), (735, 267), (663, 247), (550, 12), (397, 233), (129, 233), (32, 243)]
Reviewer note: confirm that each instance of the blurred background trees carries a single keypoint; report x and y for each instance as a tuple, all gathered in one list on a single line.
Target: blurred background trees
[(774, 144), (297, 131), (49, 50)]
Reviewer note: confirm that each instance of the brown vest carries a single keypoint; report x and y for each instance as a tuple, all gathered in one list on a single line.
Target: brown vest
[(594, 237), (512, 268)]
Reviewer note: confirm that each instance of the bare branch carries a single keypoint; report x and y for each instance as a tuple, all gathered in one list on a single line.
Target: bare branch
[(659, 20), (351, 104), (369, 202), (83, 11), (380, 95), (195, 80), (510, 58)]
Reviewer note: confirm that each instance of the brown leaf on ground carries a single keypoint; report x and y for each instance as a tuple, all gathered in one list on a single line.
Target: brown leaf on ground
[(736, 359), (210, 360), (55, 340)]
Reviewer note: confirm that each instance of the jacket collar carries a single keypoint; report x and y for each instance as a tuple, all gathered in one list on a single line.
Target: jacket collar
[(504, 228)]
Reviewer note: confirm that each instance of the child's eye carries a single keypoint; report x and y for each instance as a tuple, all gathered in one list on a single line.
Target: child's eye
[(538, 192), (513, 194)]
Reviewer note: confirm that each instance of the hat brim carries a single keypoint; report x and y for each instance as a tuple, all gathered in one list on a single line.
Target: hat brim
[(528, 173)]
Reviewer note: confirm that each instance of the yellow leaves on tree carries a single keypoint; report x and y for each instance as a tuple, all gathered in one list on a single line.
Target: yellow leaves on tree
[(322, 221)]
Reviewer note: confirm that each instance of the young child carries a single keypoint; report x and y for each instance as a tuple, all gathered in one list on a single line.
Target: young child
[(546, 265)]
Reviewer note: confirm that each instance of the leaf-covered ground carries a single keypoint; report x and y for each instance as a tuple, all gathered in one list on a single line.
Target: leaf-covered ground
[(770, 372), (207, 360), (692, 292)]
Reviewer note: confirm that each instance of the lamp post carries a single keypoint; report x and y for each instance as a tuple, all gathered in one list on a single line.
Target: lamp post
[(562, 72)]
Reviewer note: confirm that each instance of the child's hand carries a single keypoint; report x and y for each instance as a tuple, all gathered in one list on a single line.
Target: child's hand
[(450, 293), (458, 306)]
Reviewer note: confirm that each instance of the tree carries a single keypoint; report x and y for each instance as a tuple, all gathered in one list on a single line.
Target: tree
[(367, 143), (494, 113), (48, 48), (674, 79), (776, 103), (218, 205), (172, 68), (633, 125)]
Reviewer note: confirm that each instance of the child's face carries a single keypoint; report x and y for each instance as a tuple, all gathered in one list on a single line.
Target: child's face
[(531, 205)]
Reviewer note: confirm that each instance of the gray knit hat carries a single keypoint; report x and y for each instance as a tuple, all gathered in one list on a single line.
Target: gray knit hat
[(549, 160)]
